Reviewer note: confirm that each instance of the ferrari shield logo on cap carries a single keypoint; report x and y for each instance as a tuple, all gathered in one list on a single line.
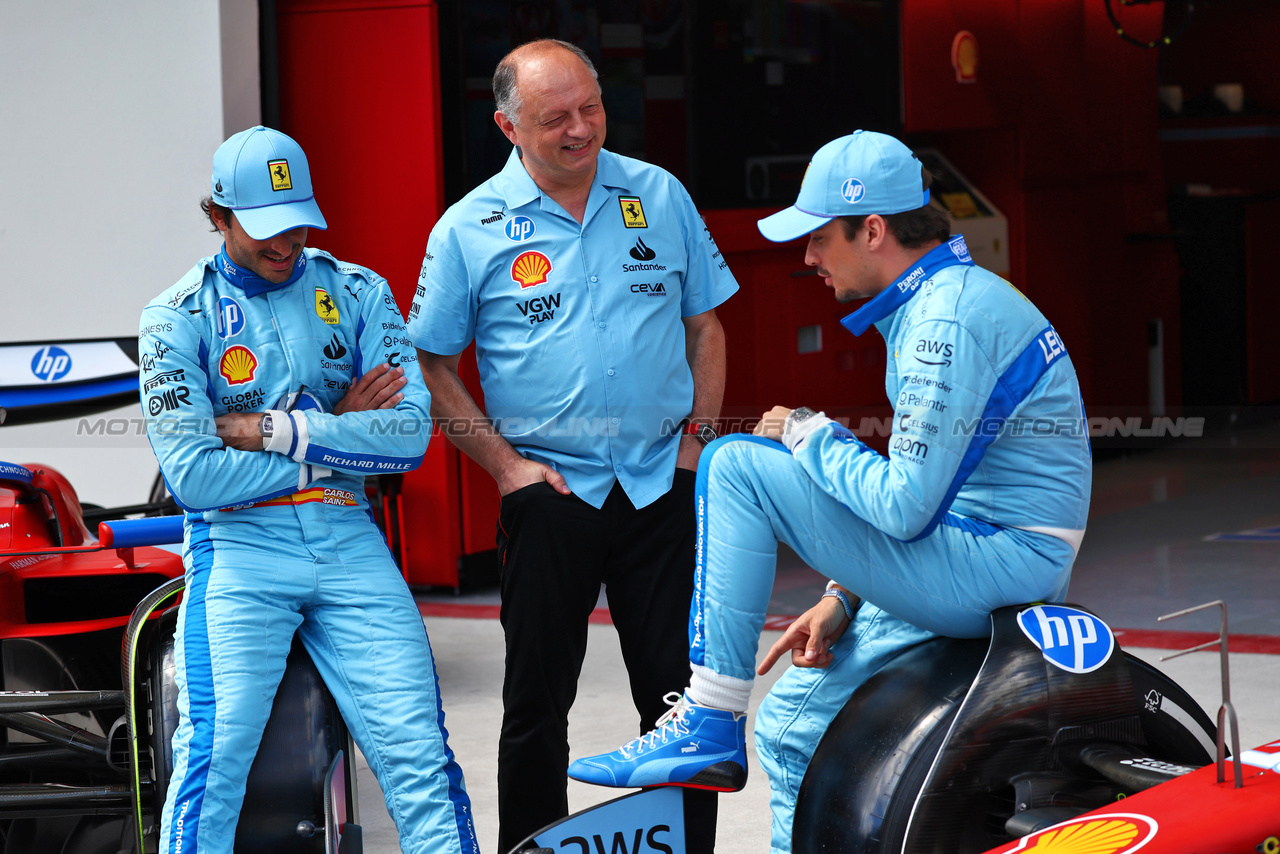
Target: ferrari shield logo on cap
[(632, 212), (238, 365), (326, 308), (1071, 639), (531, 268), (280, 175)]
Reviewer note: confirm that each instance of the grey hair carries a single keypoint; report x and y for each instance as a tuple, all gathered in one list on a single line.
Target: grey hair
[(506, 93)]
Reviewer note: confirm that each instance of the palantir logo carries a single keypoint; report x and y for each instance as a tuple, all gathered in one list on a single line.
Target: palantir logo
[(50, 364), (1071, 639), (519, 228)]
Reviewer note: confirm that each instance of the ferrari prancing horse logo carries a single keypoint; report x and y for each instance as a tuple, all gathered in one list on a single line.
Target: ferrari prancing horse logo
[(280, 175), (632, 212)]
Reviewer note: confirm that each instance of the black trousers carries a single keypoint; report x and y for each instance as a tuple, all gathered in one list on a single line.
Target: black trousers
[(555, 551)]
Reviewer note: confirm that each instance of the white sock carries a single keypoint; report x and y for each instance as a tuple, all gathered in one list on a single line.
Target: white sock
[(717, 691)]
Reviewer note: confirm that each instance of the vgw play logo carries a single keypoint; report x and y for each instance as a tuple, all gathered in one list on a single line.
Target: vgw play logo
[(50, 364), (1074, 640)]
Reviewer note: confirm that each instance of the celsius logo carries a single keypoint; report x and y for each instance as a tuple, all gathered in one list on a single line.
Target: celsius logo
[(853, 190), (519, 228), (334, 349), (230, 318), (1071, 639), (640, 252), (50, 364)]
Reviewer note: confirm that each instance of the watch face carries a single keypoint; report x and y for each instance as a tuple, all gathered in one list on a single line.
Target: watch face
[(705, 434), (265, 426), (801, 413)]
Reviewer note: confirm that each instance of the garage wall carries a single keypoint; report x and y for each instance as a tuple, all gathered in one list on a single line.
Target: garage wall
[(109, 116)]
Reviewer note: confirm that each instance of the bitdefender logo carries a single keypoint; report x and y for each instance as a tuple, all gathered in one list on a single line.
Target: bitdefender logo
[(640, 252)]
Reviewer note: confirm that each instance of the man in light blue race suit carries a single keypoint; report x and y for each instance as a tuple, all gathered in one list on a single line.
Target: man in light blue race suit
[(272, 381), (981, 502), (589, 285)]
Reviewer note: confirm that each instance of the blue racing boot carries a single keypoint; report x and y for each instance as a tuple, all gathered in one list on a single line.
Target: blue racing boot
[(692, 746)]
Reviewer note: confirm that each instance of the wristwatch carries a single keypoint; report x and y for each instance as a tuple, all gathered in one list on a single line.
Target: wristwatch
[(704, 433), (800, 413), (265, 428)]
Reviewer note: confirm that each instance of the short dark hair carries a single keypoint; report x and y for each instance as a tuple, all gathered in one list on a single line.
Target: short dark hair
[(912, 229), (208, 205)]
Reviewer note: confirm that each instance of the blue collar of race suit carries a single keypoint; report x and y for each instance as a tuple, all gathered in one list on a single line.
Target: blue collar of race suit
[(250, 282), (886, 302)]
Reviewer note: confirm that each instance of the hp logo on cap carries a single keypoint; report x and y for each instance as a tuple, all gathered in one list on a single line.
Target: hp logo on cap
[(1074, 640), (853, 190)]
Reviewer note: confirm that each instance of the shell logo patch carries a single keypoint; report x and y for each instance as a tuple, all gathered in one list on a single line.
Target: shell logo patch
[(530, 268), (632, 212), (279, 175), (326, 308), (238, 365), (1119, 833)]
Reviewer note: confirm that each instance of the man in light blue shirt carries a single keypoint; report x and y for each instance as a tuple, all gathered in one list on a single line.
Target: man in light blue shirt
[(589, 284)]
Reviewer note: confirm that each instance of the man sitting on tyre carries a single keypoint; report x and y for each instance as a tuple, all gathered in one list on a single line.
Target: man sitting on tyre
[(981, 502)]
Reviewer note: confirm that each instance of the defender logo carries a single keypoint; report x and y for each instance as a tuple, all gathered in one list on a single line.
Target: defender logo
[(51, 364), (632, 212), (230, 318), (640, 252), (1071, 639), (519, 228), (280, 175)]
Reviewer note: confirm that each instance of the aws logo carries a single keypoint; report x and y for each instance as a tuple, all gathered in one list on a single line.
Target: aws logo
[(938, 352), (1071, 639)]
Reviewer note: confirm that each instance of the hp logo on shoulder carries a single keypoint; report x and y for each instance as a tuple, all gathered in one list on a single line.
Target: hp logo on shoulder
[(50, 364), (1071, 639)]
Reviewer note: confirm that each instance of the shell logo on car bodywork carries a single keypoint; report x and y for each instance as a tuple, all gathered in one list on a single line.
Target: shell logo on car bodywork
[(530, 268), (238, 365), (1107, 834)]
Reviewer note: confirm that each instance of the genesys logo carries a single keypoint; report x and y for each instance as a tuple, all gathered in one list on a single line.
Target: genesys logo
[(50, 364), (1071, 639), (519, 228)]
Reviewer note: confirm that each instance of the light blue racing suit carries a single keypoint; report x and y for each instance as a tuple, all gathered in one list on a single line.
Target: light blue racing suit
[(981, 503), (282, 540)]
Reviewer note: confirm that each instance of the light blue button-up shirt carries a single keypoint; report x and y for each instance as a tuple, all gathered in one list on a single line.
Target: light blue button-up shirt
[(578, 330)]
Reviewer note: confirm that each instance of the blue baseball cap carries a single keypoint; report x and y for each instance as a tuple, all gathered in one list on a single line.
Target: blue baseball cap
[(263, 176), (856, 175)]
